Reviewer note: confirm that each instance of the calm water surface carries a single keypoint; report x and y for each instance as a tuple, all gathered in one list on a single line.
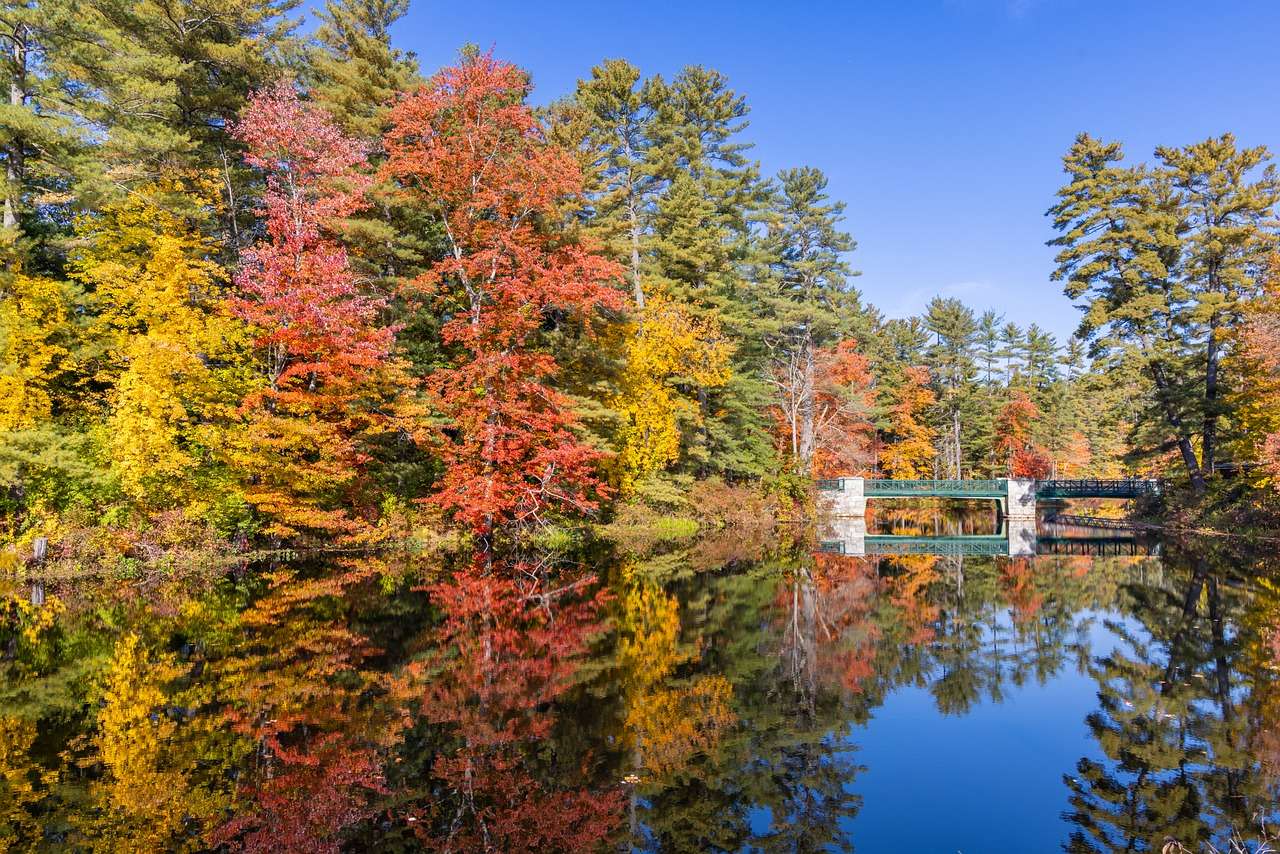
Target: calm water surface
[(733, 695)]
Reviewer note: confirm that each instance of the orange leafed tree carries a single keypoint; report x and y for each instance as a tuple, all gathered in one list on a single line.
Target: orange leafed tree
[(326, 358), (1257, 402), (1013, 438), (908, 453), (1077, 456), (470, 150), (844, 399)]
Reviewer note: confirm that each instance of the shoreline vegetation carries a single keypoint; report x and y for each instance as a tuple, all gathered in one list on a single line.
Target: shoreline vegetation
[(314, 294)]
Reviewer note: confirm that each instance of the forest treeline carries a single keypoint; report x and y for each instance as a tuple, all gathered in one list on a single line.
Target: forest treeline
[(266, 286)]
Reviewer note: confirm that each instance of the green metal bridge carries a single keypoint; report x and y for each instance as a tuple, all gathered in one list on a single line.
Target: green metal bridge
[(990, 545), (1093, 488), (999, 488), (897, 544)]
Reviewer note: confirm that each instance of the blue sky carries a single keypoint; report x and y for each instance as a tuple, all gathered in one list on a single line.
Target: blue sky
[(941, 124)]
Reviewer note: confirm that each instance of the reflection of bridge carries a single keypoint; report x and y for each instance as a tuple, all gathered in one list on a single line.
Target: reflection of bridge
[(985, 544), (1019, 538), (847, 496), (848, 536), (1122, 546)]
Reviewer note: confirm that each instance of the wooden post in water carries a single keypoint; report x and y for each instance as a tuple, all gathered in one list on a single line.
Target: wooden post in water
[(39, 550)]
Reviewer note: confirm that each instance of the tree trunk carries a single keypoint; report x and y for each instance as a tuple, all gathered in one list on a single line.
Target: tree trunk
[(15, 166), (1184, 442), (808, 438), (637, 291), (1209, 445), (955, 446)]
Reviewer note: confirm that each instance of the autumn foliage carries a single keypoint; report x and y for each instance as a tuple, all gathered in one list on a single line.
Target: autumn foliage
[(666, 347), (844, 401), (470, 150), (1259, 361), (325, 358), (909, 451), (1013, 438)]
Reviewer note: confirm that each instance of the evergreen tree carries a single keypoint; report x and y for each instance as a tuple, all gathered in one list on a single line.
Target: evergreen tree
[(1119, 250), (702, 247), (1041, 355), (808, 302), (987, 345), (1227, 237), (609, 121), (952, 370), (1166, 256), (353, 71), (169, 77), (1012, 350), (40, 141)]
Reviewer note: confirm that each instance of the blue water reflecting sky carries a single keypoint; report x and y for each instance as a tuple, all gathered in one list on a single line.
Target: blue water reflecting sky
[(926, 776)]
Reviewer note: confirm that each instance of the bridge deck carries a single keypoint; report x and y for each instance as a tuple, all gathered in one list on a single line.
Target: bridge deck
[(999, 488), (1094, 488)]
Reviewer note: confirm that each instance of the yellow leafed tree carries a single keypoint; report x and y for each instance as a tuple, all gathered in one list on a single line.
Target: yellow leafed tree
[(144, 800), (909, 452), (34, 317), (666, 347), (155, 291)]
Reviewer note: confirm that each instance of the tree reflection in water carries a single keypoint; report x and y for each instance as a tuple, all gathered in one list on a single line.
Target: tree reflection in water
[(679, 703)]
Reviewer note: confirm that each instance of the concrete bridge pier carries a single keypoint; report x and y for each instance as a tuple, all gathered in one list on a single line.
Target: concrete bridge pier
[(1022, 537), (850, 499), (1020, 503), (849, 532)]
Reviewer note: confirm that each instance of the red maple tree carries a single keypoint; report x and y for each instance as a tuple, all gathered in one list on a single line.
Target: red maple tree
[(324, 353), (844, 399), (1013, 438), (468, 148)]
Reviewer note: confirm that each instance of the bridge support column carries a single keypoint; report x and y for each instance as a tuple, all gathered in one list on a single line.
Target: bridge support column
[(849, 500), (849, 531), (1022, 537), (1021, 500)]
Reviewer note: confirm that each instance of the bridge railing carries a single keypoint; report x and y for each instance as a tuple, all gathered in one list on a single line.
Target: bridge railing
[(931, 487), (1057, 488), (1097, 488)]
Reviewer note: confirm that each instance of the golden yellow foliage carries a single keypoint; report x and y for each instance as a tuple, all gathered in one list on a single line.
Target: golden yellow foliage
[(149, 420), (156, 291), (143, 797), (34, 314), (666, 347), (22, 783), (671, 727), (910, 452)]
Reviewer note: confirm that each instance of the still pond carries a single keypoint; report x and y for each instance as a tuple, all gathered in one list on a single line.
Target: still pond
[(740, 692)]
